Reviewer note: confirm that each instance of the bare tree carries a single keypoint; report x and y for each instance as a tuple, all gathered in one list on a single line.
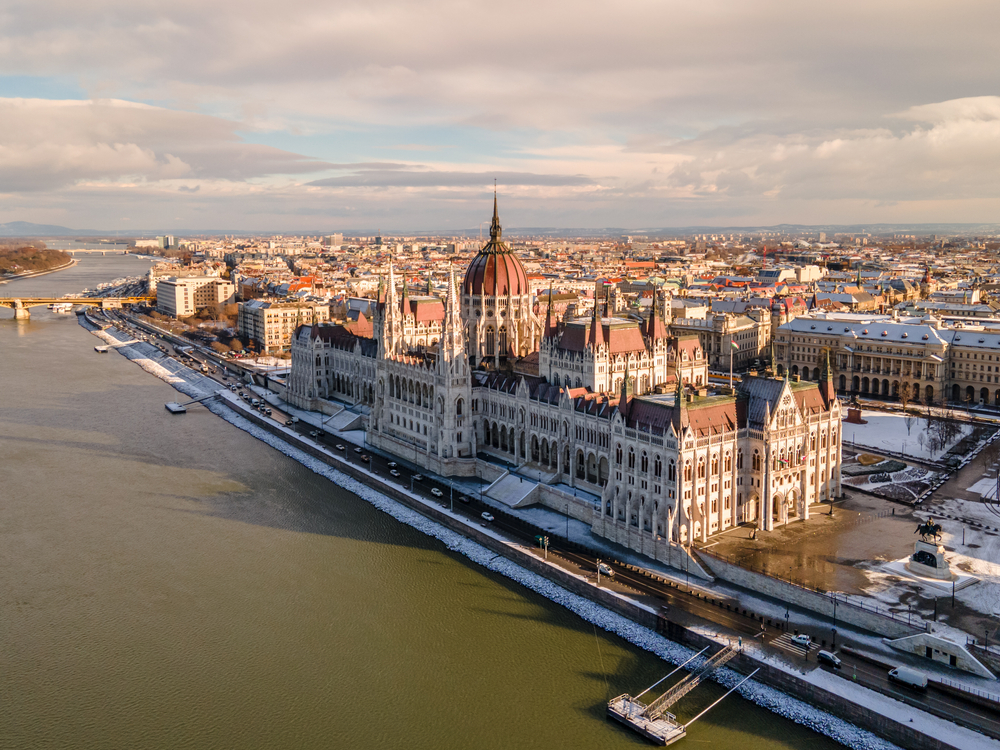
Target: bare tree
[(904, 400)]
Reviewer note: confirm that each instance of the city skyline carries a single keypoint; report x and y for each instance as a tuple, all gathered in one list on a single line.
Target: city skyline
[(398, 117)]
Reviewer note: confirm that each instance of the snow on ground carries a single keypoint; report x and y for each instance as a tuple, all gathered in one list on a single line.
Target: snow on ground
[(986, 485), (191, 383), (887, 432)]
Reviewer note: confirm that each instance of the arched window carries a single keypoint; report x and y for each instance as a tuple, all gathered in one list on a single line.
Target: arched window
[(756, 460), (618, 454), (687, 471), (458, 406), (503, 340), (671, 471), (739, 459), (644, 462), (701, 467), (490, 341), (657, 467), (631, 458), (728, 464), (715, 464)]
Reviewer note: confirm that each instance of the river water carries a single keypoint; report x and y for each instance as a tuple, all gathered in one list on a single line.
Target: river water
[(171, 582)]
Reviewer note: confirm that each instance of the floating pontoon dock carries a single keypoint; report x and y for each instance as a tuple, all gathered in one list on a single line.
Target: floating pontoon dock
[(654, 721), (174, 408)]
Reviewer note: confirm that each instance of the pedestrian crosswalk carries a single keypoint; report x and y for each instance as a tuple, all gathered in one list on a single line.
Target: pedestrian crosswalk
[(784, 641)]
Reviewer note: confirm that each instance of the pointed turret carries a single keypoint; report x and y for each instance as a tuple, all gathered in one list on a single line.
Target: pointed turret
[(549, 327), (826, 380), (430, 287), (452, 342), (654, 326), (626, 395), (596, 338), (680, 418)]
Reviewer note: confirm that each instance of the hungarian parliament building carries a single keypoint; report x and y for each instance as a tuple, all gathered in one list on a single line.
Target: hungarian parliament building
[(613, 421)]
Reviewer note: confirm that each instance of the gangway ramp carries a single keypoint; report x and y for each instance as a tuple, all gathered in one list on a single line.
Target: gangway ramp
[(689, 683)]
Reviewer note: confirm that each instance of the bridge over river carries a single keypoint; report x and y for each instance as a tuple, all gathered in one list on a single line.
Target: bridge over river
[(22, 305)]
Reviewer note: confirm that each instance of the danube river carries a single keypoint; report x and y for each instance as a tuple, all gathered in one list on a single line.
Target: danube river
[(171, 582)]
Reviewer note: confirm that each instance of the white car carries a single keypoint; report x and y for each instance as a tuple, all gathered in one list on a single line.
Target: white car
[(393, 472), (392, 464), (436, 492), (340, 447), (487, 516), (802, 640)]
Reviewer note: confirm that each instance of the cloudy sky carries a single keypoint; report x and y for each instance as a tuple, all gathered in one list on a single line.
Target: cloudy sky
[(335, 115)]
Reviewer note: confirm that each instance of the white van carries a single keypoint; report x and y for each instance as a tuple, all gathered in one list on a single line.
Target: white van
[(909, 677), (295, 420)]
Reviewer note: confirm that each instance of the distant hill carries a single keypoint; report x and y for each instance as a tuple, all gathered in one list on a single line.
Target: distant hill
[(27, 229)]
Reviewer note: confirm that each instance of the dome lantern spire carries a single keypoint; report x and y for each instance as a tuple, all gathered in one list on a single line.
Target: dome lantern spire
[(495, 231)]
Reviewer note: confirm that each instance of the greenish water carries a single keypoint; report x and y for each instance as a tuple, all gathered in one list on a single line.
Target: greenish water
[(171, 582)]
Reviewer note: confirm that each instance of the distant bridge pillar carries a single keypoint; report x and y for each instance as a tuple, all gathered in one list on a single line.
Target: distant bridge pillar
[(20, 311)]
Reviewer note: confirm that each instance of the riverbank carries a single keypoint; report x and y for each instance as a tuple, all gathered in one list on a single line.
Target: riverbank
[(33, 274), (612, 612)]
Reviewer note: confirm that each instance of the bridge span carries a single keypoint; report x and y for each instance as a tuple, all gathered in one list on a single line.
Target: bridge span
[(22, 305)]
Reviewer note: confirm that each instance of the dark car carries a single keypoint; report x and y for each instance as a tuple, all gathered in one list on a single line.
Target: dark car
[(366, 458), (464, 499), (827, 657)]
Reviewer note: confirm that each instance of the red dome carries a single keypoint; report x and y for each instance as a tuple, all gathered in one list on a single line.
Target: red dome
[(496, 271)]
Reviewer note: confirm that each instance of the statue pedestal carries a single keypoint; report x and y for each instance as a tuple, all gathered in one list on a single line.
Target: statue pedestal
[(928, 560), (854, 416)]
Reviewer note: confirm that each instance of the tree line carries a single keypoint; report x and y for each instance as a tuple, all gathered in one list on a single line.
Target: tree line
[(16, 259)]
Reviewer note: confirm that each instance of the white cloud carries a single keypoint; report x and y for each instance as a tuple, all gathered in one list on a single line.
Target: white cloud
[(49, 144)]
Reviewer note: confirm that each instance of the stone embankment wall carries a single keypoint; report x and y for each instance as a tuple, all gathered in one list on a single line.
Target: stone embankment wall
[(814, 601), (887, 728)]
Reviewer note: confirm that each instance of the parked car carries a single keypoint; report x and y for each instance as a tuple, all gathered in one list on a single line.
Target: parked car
[(394, 472), (436, 492), (802, 640), (488, 517), (827, 657), (911, 678)]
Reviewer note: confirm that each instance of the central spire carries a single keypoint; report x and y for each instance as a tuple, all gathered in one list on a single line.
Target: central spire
[(495, 231)]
